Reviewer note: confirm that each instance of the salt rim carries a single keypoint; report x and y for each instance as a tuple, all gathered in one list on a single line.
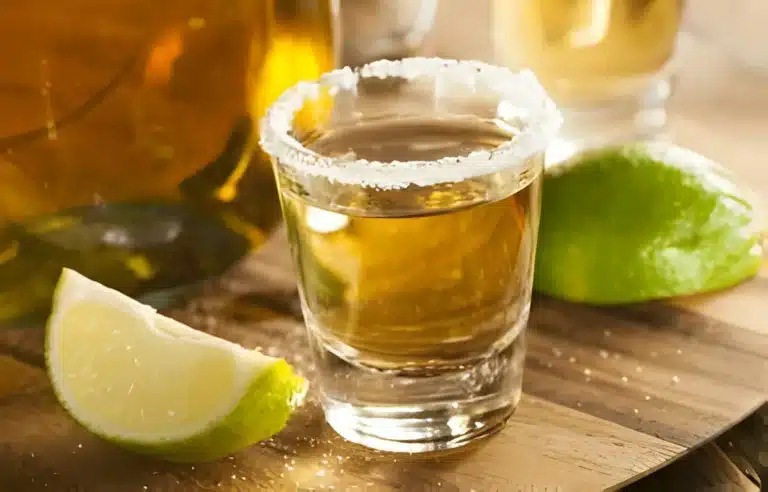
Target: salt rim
[(518, 92)]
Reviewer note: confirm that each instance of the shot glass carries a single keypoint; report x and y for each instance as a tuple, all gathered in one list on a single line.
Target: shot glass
[(608, 64), (412, 212)]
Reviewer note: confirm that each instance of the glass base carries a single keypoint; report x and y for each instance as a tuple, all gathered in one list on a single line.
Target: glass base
[(425, 408), (639, 116)]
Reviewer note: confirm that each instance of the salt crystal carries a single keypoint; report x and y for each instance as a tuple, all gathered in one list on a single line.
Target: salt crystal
[(519, 90)]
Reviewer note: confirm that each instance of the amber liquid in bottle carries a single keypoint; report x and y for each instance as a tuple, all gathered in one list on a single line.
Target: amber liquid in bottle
[(128, 140)]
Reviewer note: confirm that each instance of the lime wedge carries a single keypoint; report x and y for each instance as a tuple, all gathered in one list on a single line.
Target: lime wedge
[(151, 384), (642, 222)]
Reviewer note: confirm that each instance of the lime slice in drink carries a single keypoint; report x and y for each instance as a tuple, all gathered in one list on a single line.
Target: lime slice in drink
[(642, 222), (156, 386)]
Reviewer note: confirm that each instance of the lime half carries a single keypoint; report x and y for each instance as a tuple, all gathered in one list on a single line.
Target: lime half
[(156, 386), (643, 222)]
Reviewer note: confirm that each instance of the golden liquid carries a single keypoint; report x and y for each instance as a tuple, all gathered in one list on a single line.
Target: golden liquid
[(128, 147), (586, 50), (422, 273)]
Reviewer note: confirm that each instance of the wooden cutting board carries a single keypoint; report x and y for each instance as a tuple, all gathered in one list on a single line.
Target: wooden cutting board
[(610, 394)]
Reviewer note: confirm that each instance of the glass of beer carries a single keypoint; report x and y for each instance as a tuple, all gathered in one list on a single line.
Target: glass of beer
[(412, 211), (128, 141), (606, 63)]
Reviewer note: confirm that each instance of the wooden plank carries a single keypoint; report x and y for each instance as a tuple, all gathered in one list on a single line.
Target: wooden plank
[(40, 447), (655, 369), (611, 394)]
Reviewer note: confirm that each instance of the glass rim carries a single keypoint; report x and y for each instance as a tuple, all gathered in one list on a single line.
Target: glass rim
[(520, 97)]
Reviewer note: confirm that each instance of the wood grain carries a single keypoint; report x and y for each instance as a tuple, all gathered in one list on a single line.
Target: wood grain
[(665, 372), (44, 449), (569, 433), (610, 394)]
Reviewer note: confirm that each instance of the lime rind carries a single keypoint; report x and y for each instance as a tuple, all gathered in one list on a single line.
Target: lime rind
[(263, 411), (620, 225), (265, 390)]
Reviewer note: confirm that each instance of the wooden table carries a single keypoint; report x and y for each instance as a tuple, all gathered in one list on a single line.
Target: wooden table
[(719, 109)]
